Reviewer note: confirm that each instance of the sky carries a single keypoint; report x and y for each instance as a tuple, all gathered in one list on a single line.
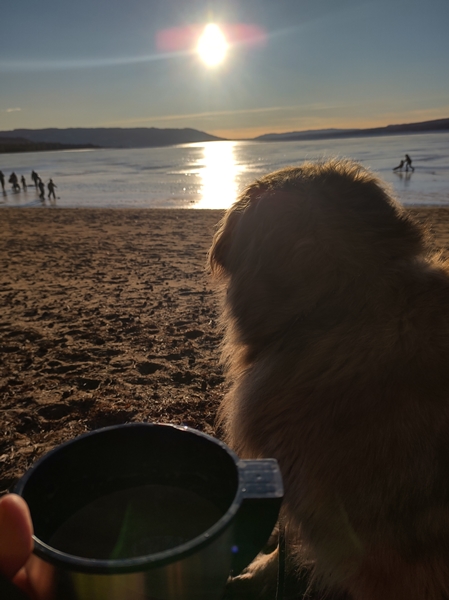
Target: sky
[(291, 65)]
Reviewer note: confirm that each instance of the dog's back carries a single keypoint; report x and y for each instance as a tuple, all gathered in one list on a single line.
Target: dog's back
[(337, 348)]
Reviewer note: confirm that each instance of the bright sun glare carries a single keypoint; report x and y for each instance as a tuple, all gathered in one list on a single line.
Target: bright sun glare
[(212, 45)]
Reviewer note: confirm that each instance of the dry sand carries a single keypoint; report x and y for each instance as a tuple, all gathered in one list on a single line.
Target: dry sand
[(107, 317)]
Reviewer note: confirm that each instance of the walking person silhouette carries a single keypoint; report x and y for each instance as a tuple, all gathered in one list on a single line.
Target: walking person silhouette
[(51, 189), (41, 189), (35, 178), (14, 181), (408, 163)]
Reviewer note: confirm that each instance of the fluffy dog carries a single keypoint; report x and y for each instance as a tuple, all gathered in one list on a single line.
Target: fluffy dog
[(336, 347)]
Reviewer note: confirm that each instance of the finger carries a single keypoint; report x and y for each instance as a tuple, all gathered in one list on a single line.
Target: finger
[(16, 530)]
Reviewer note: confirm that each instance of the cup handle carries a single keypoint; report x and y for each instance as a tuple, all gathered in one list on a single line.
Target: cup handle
[(262, 493)]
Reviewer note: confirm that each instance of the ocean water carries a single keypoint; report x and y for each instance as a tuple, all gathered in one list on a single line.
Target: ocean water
[(212, 174)]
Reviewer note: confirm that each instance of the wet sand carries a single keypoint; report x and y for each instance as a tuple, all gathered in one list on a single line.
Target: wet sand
[(108, 317)]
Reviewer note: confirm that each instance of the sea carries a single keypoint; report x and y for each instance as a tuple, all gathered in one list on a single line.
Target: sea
[(212, 174)]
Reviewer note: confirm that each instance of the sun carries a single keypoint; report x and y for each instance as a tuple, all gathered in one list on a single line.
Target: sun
[(212, 45)]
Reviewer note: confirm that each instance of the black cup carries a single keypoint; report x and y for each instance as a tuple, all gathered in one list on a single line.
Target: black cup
[(210, 513)]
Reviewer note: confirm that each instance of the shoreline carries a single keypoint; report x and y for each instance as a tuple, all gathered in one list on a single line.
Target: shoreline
[(189, 206), (108, 316)]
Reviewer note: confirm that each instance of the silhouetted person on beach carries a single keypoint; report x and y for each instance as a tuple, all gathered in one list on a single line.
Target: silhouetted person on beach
[(408, 163), (35, 178), (51, 189), (400, 165), (2, 181), (41, 189), (14, 181), (24, 183)]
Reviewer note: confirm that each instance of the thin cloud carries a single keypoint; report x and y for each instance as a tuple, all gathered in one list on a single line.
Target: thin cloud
[(88, 63), (224, 113), (10, 110)]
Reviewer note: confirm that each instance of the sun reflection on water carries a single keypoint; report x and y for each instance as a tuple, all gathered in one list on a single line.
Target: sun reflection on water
[(218, 171)]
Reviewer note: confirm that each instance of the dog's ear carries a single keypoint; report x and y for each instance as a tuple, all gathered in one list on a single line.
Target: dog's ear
[(222, 242), (271, 256), (219, 253)]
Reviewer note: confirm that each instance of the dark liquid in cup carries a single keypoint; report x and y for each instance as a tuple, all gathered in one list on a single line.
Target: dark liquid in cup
[(135, 522)]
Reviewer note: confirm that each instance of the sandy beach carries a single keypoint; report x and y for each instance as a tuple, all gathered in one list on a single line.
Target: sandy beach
[(107, 317)]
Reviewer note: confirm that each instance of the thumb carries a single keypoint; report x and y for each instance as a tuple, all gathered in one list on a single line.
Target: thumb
[(16, 529)]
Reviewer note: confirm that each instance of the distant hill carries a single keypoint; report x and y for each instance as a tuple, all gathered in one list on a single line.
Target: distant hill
[(317, 134), (308, 134), (28, 140), (9, 145), (111, 137)]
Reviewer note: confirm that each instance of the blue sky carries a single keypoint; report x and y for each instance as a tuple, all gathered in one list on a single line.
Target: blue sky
[(322, 63)]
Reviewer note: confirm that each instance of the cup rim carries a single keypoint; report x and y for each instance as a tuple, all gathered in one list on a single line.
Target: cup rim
[(146, 561)]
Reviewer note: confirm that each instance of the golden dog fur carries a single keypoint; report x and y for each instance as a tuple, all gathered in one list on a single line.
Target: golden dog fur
[(337, 352)]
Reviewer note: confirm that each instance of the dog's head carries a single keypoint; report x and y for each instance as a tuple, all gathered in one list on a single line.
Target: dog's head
[(303, 233)]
